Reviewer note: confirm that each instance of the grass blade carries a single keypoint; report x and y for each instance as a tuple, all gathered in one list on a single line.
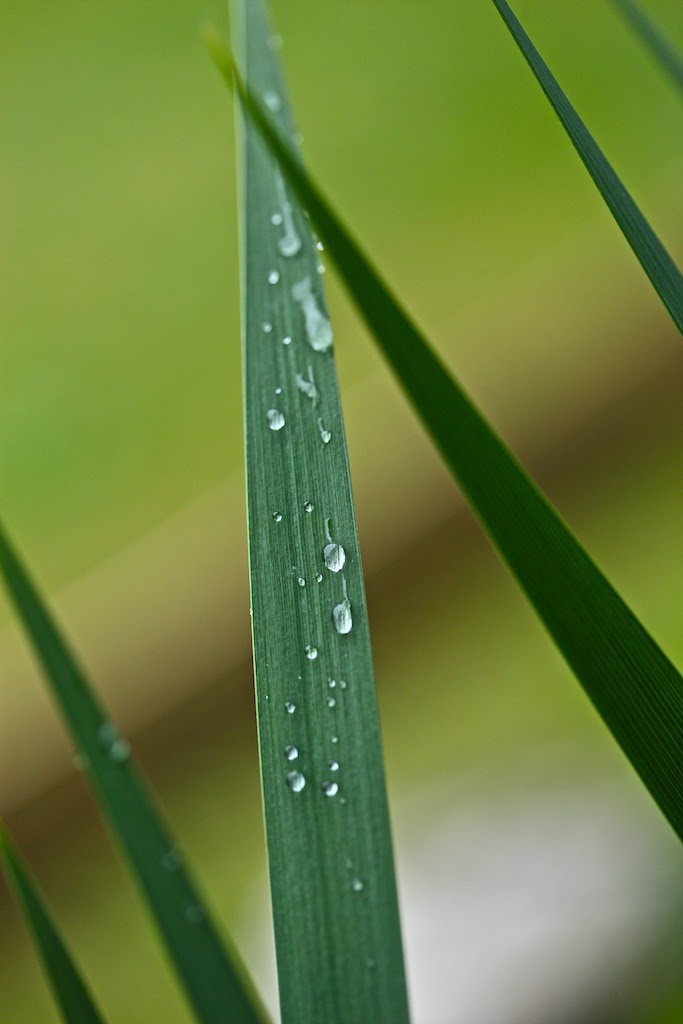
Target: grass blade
[(214, 981), (69, 990), (631, 682), (653, 257), (663, 50), (335, 910)]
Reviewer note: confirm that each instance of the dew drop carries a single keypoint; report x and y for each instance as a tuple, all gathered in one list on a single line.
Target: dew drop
[(320, 268), (311, 652), (273, 277), (308, 506), (318, 329), (289, 707), (319, 246), (357, 885), (120, 751), (331, 702), (370, 964), (334, 766), (272, 101), (287, 340), (342, 684), (276, 420), (307, 387), (118, 748), (341, 617), (277, 517), (325, 434), (278, 391), (290, 243), (291, 752), (301, 581), (318, 577), (276, 219), (295, 781), (334, 557), (332, 683), (335, 739), (330, 788)]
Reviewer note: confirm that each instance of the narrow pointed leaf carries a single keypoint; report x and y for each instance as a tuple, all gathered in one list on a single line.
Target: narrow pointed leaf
[(68, 987), (653, 257), (337, 930), (213, 979), (634, 686), (662, 48)]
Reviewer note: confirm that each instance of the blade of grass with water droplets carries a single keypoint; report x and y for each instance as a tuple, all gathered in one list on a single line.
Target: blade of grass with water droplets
[(632, 683), (68, 987), (653, 257), (337, 929), (662, 48), (213, 980)]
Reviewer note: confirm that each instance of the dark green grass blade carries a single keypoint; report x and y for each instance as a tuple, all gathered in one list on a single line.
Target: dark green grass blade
[(68, 987), (653, 257), (214, 981), (335, 910), (632, 683), (662, 48)]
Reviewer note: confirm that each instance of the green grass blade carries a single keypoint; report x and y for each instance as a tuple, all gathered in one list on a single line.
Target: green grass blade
[(213, 981), (69, 990), (631, 682), (336, 920), (653, 257), (662, 48)]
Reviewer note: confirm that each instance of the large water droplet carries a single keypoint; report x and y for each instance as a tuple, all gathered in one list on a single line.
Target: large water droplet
[(341, 616), (334, 557), (273, 277), (276, 420), (272, 101), (318, 329), (307, 387), (311, 652), (289, 707), (357, 885), (308, 506), (295, 781), (291, 752), (330, 788)]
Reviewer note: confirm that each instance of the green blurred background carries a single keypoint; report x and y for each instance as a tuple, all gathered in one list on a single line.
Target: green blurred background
[(524, 839)]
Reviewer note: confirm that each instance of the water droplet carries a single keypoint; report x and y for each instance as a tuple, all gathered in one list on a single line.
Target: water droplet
[(320, 268), (357, 885), (272, 101), (118, 748), (289, 707), (276, 219), (171, 859), (193, 913), (318, 577), (318, 329), (330, 788), (290, 243), (342, 684), (335, 739), (276, 420), (278, 391), (325, 434), (330, 702), (301, 581), (291, 752), (311, 652), (267, 326), (295, 781), (307, 387), (120, 751), (341, 616), (319, 246), (370, 963), (287, 340), (277, 517), (334, 766), (308, 506), (331, 683), (334, 557), (273, 277)]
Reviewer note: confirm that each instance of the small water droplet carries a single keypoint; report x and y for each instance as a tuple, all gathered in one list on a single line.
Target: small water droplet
[(330, 788), (276, 420), (311, 652), (370, 963), (334, 766), (357, 885), (289, 707), (331, 702), (318, 577), (325, 434), (341, 617), (334, 557), (267, 326), (319, 246), (291, 752), (301, 581), (335, 739), (320, 268), (318, 329), (343, 684), (272, 101), (295, 781), (331, 683), (120, 751), (273, 277), (277, 517), (278, 391), (307, 387), (290, 243), (276, 219), (193, 913), (118, 748), (308, 506), (287, 340)]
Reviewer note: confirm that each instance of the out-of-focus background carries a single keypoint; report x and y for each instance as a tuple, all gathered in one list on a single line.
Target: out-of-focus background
[(539, 883)]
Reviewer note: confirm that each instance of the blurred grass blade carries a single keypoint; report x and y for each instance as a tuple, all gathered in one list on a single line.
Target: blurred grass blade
[(632, 683), (213, 981), (664, 51), (68, 987), (337, 929), (653, 257)]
